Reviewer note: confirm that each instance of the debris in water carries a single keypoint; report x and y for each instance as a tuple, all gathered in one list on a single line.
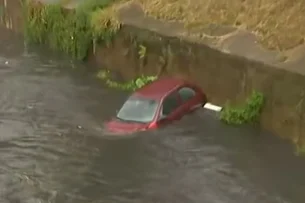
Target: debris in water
[(212, 107), (79, 127), (6, 62)]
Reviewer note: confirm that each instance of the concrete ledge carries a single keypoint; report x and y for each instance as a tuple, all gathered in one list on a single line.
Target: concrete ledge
[(224, 38)]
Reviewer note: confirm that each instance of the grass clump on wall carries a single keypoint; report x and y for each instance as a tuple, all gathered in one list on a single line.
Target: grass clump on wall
[(127, 86), (71, 31), (248, 113)]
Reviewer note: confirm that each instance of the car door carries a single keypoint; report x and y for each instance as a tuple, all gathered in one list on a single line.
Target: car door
[(170, 109), (188, 97)]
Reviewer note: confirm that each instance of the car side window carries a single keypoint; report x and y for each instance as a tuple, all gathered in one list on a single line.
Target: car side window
[(170, 103), (186, 93)]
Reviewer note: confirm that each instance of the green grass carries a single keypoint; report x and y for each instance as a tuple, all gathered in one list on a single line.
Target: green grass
[(247, 113), (72, 32)]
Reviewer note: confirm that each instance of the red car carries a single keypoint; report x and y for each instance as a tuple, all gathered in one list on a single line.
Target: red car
[(157, 104)]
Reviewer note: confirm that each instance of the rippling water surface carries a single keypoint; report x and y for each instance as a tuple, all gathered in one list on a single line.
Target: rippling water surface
[(53, 149)]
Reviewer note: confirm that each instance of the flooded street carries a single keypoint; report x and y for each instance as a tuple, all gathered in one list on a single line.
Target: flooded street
[(53, 149)]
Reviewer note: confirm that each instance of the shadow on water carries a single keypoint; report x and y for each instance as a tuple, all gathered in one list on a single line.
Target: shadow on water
[(53, 150)]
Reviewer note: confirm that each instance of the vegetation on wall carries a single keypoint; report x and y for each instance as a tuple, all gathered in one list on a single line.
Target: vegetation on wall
[(128, 86), (142, 51), (248, 113), (75, 31), (300, 150), (71, 31)]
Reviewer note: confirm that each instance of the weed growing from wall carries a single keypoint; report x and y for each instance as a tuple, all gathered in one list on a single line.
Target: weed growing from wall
[(65, 30), (142, 51), (127, 86), (248, 113)]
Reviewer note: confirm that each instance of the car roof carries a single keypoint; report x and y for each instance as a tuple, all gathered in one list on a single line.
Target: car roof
[(159, 88)]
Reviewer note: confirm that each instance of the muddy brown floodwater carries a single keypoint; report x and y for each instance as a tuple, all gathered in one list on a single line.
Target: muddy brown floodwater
[(53, 149)]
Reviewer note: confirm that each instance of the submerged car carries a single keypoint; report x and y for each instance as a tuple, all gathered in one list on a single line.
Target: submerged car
[(157, 104)]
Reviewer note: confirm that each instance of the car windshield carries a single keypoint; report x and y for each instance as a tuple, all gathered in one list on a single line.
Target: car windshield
[(138, 110)]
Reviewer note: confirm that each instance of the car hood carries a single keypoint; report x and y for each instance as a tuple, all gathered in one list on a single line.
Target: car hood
[(118, 126)]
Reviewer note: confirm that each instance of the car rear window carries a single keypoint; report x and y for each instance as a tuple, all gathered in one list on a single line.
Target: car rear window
[(138, 109), (186, 93)]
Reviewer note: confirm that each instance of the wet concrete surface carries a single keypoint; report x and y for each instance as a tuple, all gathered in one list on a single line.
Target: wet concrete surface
[(53, 149)]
